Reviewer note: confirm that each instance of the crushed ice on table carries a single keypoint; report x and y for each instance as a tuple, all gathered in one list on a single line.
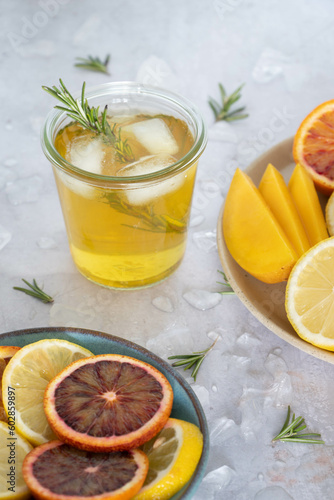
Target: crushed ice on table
[(221, 429), (270, 64), (156, 71), (45, 242), (154, 135), (146, 165), (203, 395), (10, 162), (5, 237), (247, 340), (27, 190), (205, 240), (43, 48), (170, 342), (196, 219), (222, 131), (163, 303), (202, 299), (6, 175), (273, 493), (216, 481)]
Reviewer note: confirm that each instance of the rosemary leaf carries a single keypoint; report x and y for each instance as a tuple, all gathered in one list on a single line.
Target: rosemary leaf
[(192, 360), (223, 111), (93, 64), (291, 431), (34, 291), (89, 118), (229, 290)]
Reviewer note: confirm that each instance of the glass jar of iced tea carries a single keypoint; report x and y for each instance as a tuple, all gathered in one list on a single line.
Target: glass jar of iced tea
[(126, 204)]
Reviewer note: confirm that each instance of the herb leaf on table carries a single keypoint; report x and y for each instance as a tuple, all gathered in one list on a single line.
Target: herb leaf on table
[(93, 64), (34, 291), (222, 111), (291, 431), (193, 360)]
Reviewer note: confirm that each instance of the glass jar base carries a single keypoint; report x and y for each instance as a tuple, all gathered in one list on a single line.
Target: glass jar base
[(130, 285)]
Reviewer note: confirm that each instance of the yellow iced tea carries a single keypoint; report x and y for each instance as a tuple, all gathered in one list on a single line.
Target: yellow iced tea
[(133, 233)]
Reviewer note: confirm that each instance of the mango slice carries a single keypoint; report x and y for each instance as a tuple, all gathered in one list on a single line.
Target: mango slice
[(306, 199), (252, 234), (276, 193)]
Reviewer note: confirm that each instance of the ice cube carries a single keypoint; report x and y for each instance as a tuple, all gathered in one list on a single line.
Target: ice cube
[(146, 165), (88, 157), (154, 135)]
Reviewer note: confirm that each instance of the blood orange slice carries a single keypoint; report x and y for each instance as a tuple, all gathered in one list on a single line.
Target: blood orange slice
[(57, 471), (314, 146), (108, 403)]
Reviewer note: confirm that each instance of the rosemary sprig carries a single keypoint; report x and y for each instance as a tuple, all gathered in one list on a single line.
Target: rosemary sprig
[(88, 117), (150, 221), (35, 291), (193, 360), (229, 290), (222, 111), (291, 431), (93, 64)]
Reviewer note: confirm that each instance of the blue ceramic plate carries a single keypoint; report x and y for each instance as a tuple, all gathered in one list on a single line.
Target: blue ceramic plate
[(185, 406)]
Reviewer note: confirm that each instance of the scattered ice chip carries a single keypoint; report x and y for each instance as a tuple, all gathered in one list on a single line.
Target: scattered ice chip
[(163, 303), (45, 242), (248, 340), (25, 190), (5, 237), (196, 220), (88, 157), (270, 64), (154, 135), (139, 195), (222, 131), (6, 175), (171, 342), (222, 429), (10, 162), (219, 478), (273, 493), (156, 71), (202, 299), (206, 240), (275, 364), (203, 395)]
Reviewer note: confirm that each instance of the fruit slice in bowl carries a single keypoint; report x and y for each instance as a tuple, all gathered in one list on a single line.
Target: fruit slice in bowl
[(108, 403), (28, 373), (185, 403), (173, 456), (56, 471), (313, 146)]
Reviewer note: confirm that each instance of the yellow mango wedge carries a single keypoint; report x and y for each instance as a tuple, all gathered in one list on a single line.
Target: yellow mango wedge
[(276, 193), (306, 199), (252, 234)]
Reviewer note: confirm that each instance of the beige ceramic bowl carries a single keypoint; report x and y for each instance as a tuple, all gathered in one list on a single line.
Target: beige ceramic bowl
[(264, 301)]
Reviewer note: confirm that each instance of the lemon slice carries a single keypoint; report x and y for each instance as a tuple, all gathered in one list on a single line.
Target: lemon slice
[(27, 375), (13, 449), (309, 299), (330, 214), (173, 456), (6, 353)]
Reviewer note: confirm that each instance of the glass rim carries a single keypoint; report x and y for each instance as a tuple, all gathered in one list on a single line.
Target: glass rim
[(55, 116)]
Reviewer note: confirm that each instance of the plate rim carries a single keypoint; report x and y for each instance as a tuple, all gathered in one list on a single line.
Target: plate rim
[(223, 251), (189, 489)]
